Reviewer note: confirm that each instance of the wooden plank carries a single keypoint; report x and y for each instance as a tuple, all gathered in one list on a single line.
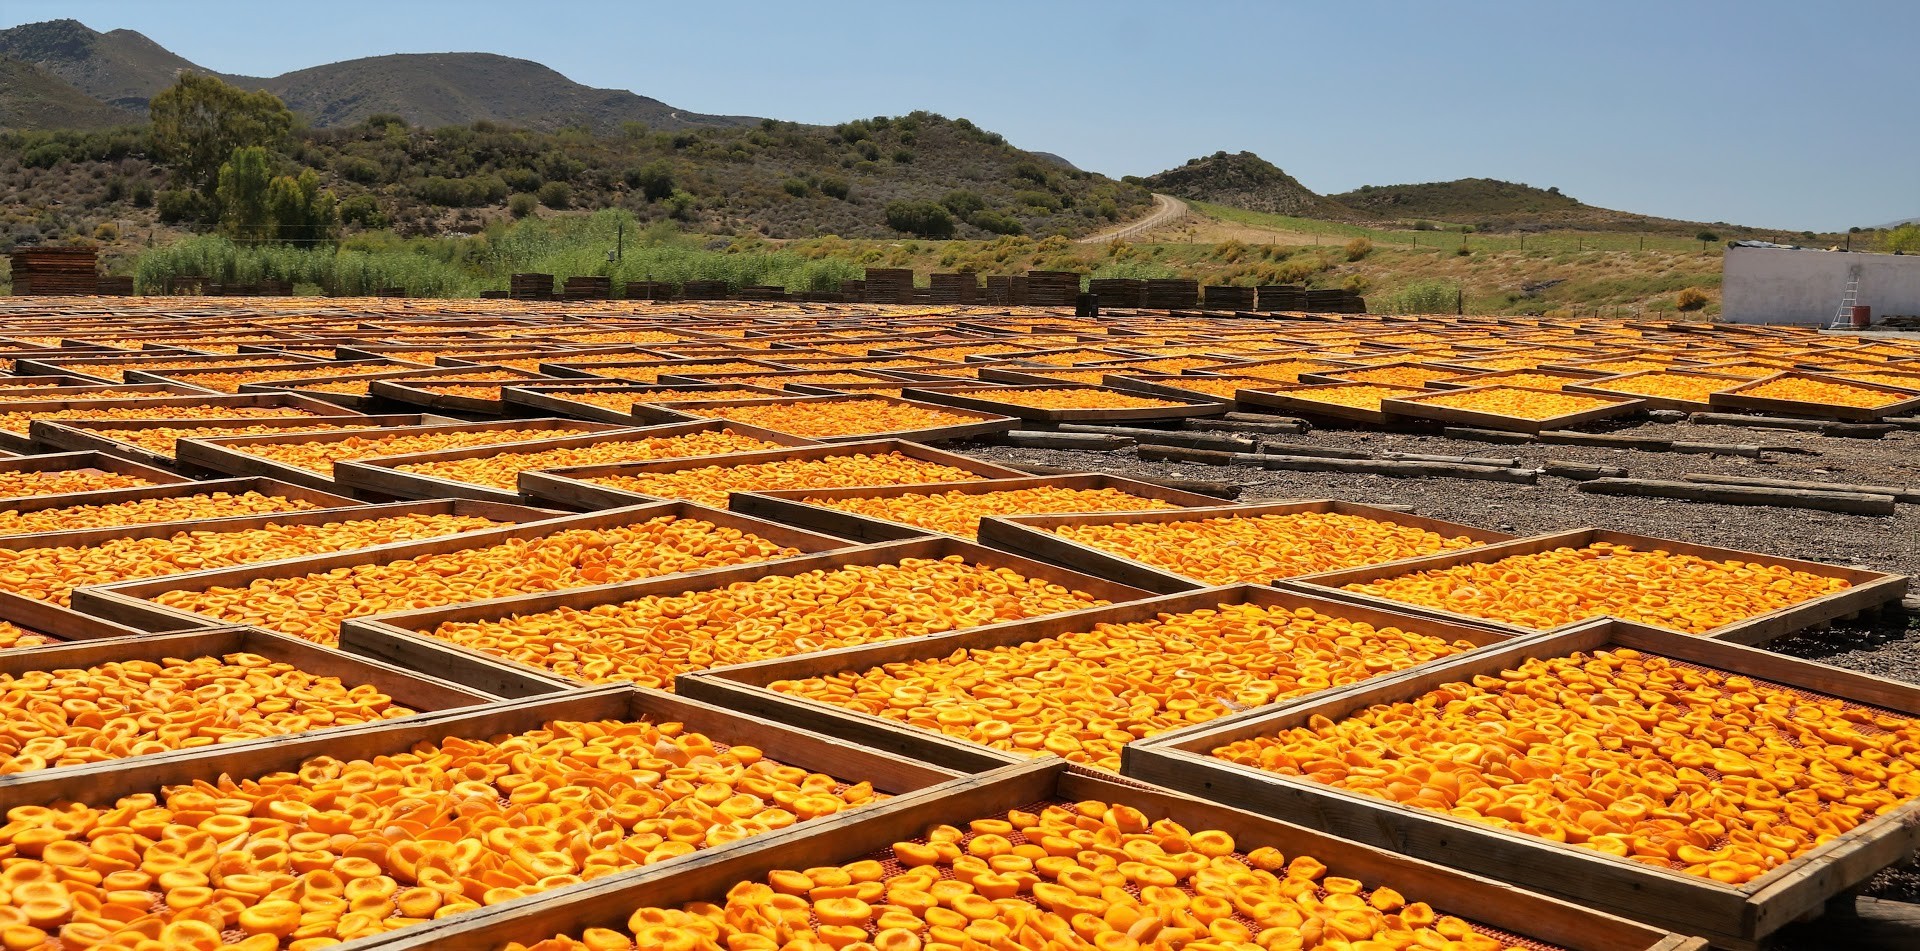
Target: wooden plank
[(1852, 503), (792, 508), (573, 486), (1081, 442), (553, 400), (384, 475), (745, 686), (837, 840), (1868, 588), (1907, 494), (130, 602), (1734, 916), (1036, 536), (99, 436)]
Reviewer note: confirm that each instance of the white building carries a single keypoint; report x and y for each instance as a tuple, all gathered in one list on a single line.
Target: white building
[(1804, 286)]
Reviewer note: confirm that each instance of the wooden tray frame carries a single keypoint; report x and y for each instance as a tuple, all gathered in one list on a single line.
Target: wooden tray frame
[(129, 602), (1280, 397), (569, 487), (186, 376), (383, 476), (985, 423), (549, 399), (49, 388), (354, 401), (1599, 388), (606, 903), (1418, 407), (23, 442), (1168, 385), (1333, 376), (1032, 536), (410, 393), (784, 379), (64, 436), (78, 461), (788, 506), (1870, 588), (224, 454), (1498, 378), (744, 686), (1734, 399), (588, 371), (61, 365), (399, 637), (969, 398), (106, 782), (1730, 916)]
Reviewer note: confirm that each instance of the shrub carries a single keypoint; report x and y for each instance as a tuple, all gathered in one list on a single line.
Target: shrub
[(556, 195), (922, 218), (141, 194), (1691, 299), (522, 205), (797, 187), (1358, 249), (1421, 297), (106, 231), (179, 205), (362, 211), (353, 168), (680, 205), (1046, 201), (963, 203), (654, 179), (996, 222), (522, 179), (834, 187), (1463, 251), (1902, 240), (45, 155)]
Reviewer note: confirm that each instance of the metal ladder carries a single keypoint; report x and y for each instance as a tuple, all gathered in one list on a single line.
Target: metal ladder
[(1844, 316)]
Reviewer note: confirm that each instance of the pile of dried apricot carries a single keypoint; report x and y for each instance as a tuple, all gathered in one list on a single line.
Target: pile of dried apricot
[(312, 606), (13, 635), (1069, 398), (503, 470), (1257, 549), (651, 640), (1084, 875), (1531, 381), (959, 513), (117, 371), (710, 485), (70, 716), (1698, 770), (1356, 395), (338, 850), (831, 418), (1827, 392), (319, 456), (199, 505), (1553, 588), (1086, 694), (22, 422), (1412, 374), (1673, 386), (51, 574), (43, 394), (624, 401), (161, 439), (21, 484), (1517, 402), (229, 381)]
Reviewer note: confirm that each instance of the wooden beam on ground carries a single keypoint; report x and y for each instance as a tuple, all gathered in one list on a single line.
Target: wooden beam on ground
[(1487, 435), (1324, 452), (1646, 443), (1825, 427), (1031, 439), (1908, 494), (1241, 426), (1852, 503), (1496, 462), (1167, 437), (1268, 418), (1580, 471)]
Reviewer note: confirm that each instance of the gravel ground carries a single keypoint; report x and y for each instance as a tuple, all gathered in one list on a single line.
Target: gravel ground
[(1887, 644)]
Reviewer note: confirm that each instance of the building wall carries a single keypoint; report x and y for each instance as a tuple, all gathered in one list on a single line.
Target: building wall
[(1781, 286)]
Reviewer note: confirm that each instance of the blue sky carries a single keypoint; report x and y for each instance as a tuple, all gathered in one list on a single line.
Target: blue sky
[(1775, 114)]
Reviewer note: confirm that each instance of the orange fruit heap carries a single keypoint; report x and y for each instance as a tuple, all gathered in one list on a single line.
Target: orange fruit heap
[(1410, 375), (1261, 548), (1902, 379), (651, 640), (1510, 363), (313, 605), (1696, 770), (1674, 386), (1631, 365), (1517, 402), (1221, 387), (339, 850), (622, 402), (116, 371), (42, 394), (143, 511), (503, 470), (1282, 372), (1532, 381), (1828, 392), (320, 456), (471, 391), (13, 635), (1553, 588), (229, 381), (51, 574), (652, 374), (830, 418), (1094, 377), (348, 387), (1064, 398), (22, 484), (818, 379), (21, 422), (709, 485), (161, 439), (479, 375), (1357, 395), (1062, 877), (1086, 694), (132, 708), (959, 513)]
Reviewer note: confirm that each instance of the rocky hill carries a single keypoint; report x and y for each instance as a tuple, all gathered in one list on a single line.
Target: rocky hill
[(1245, 180)]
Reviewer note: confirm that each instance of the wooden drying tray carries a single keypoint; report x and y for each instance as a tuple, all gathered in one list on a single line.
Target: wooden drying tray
[(1904, 402), (23, 442), (553, 398), (1035, 536), (131, 360), (401, 638), (1422, 406), (77, 461), (79, 435), (1004, 400), (356, 401), (572, 487), (1869, 588), (1731, 916), (1608, 386), (746, 687), (228, 455), (384, 475), (1297, 399), (415, 393), (790, 506), (1499, 378), (132, 603), (982, 423), (662, 366)]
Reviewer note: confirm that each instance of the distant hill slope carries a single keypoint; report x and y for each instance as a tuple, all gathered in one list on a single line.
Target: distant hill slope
[(1245, 180), (32, 98), (1492, 205), (125, 69)]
